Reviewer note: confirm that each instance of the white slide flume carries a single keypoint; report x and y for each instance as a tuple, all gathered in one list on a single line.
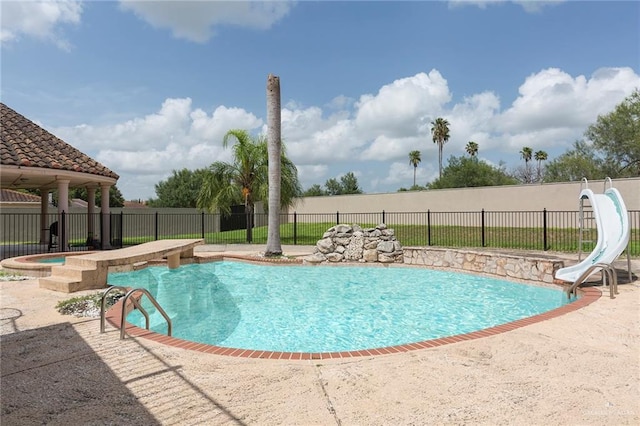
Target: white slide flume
[(612, 223)]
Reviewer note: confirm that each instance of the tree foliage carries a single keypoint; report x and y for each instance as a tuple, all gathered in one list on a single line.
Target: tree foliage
[(580, 161), (181, 189), (315, 190), (462, 172), (245, 181), (348, 184), (617, 138)]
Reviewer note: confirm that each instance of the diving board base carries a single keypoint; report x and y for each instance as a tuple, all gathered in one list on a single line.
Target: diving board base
[(88, 272)]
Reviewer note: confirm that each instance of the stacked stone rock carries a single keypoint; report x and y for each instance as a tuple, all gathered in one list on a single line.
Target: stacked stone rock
[(347, 243)]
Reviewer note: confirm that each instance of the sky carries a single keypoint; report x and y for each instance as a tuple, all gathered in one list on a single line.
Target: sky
[(149, 87)]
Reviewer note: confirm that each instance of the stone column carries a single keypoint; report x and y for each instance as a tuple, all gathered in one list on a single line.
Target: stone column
[(106, 218), (63, 207)]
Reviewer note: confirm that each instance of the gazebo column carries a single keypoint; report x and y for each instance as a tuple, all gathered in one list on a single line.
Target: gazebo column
[(63, 210), (91, 202), (106, 222), (44, 211)]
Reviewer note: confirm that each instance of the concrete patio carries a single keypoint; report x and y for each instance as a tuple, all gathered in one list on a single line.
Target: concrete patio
[(580, 368)]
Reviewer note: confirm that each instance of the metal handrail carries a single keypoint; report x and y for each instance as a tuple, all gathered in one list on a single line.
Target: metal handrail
[(585, 182), (136, 303), (102, 304), (609, 181), (144, 312), (608, 274)]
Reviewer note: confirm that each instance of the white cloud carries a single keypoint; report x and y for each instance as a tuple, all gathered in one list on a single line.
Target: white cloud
[(552, 104), (39, 19), (400, 108), (196, 20), (530, 6)]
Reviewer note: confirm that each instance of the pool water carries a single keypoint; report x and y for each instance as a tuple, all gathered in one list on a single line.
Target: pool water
[(56, 260), (327, 309)]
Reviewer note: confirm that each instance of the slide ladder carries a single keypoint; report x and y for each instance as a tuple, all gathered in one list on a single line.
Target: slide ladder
[(613, 233), (586, 223)]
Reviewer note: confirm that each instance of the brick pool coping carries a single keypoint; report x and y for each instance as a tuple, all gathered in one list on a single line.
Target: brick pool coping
[(113, 316)]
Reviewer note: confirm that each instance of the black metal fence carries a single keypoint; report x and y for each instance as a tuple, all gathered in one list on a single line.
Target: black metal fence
[(29, 233)]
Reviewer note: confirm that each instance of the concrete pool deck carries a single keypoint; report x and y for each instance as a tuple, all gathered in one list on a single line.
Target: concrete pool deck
[(580, 368)]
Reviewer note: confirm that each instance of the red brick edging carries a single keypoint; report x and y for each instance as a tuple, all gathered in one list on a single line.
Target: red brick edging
[(113, 315)]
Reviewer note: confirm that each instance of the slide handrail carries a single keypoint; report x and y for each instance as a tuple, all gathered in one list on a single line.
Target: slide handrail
[(609, 181), (584, 184), (608, 273)]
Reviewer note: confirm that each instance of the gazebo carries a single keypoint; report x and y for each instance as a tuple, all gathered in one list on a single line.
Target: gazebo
[(33, 158)]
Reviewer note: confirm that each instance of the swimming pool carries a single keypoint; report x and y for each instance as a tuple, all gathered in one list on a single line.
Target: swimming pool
[(328, 308)]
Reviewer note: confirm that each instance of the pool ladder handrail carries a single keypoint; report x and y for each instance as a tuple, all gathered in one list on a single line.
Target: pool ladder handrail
[(136, 303), (608, 276)]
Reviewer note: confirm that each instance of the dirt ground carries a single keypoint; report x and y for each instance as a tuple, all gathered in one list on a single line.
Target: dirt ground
[(580, 368)]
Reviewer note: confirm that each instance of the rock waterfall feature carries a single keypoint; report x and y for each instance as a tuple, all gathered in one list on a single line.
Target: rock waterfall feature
[(352, 243)]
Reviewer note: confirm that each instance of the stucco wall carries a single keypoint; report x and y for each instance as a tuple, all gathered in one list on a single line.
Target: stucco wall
[(534, 197)]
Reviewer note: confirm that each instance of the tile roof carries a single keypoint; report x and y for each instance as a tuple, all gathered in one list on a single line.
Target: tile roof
[(26, 144), (10, 196)]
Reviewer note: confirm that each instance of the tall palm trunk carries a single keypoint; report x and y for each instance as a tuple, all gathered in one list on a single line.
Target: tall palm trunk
[(274, 247)]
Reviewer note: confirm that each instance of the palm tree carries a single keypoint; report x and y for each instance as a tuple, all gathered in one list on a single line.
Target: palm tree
[(540, 156), (440, 135), (414, 159), (472, 149), (246, 180), (274, 247), (526, 153)]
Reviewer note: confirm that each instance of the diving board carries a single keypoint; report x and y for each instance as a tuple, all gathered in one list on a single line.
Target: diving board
[(89, 271)]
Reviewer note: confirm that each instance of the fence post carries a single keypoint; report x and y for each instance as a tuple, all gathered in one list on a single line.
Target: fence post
[(428, 227), (383, 221), (544, 229), (63, 238), (202, 222), (295, 228), (482, 224), (156, 227), (121, 233), (101, 217), (338, 218)]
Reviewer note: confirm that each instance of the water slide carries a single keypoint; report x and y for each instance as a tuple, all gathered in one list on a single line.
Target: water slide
[(612, 223)]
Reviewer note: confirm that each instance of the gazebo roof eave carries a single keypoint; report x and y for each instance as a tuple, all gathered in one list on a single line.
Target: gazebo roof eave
[(21, 177)]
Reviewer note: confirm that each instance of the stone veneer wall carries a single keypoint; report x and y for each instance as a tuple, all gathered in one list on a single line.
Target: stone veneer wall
[(525, 267), (347, 243)]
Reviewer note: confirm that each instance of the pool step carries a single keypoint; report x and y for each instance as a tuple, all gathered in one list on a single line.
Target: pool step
[(69, 278), (62, 284), (78, 272)]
